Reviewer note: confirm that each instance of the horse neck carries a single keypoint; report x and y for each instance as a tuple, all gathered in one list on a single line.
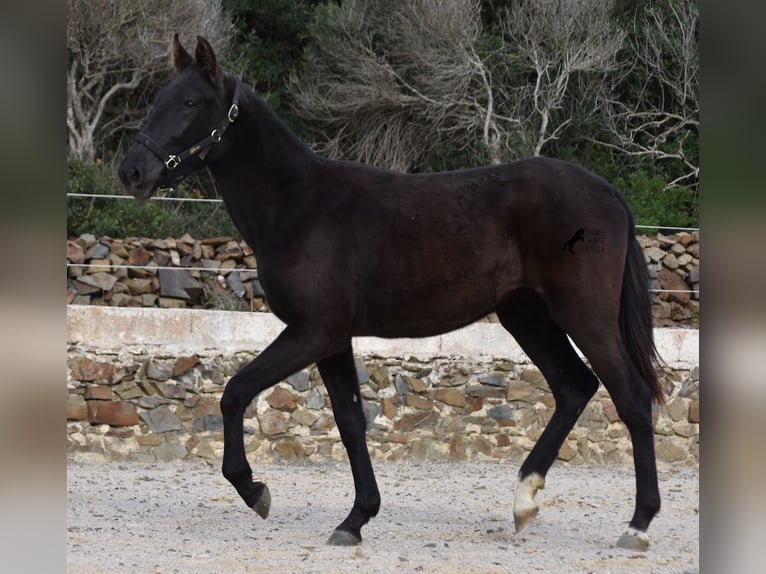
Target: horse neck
[(265, 167), (262, 145)]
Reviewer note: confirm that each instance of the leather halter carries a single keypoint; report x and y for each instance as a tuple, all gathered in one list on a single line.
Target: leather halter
[(172, 161)]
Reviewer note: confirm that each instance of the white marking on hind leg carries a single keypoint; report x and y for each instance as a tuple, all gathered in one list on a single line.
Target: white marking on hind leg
[(524, 506), (634, 539)]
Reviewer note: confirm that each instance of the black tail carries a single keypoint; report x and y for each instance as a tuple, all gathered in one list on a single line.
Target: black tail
[(636, 315)]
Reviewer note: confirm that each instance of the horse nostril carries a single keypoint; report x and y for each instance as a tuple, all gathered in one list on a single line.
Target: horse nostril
[(130, 176)]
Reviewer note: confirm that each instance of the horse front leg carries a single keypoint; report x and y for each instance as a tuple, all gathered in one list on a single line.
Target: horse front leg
[(339, 376), (294, 349)]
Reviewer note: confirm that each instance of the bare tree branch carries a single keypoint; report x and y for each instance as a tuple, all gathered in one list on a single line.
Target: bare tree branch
[(116, 46), (657, 123), (392, 81), (557, 40), (388, 82)]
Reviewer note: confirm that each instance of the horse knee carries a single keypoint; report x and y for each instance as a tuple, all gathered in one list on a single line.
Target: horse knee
[(231, 400), (228, 403)]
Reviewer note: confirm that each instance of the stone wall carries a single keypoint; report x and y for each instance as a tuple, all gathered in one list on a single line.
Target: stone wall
[(225, 274), (674, 266), (145, 385)]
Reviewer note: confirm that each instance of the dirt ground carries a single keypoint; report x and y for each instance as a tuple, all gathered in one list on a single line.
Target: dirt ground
[(444, 517)]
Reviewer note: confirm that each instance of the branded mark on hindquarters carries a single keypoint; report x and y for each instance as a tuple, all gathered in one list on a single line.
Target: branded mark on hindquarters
[(585, 240)]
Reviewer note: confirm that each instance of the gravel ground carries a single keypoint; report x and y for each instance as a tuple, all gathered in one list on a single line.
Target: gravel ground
[(440, 517)]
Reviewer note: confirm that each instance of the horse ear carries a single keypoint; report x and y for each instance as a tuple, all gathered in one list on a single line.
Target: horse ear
[(206, 59), (179, 56)]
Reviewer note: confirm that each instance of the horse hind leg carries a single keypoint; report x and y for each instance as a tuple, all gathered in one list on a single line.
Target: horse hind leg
[(633, 401), (632, 397), (525, 315)]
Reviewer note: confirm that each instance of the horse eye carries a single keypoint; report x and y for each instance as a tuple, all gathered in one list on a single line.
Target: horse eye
[(188, 103)]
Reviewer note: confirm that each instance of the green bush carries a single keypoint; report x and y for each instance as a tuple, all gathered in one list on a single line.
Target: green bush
[(643, 185), (121, 217), (652, 204)]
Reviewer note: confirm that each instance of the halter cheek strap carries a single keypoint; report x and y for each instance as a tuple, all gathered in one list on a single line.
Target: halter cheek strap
[(172, 161)]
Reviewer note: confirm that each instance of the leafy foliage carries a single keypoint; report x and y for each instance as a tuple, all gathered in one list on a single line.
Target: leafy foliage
[(652, 204), (132, 218), (271, 36)]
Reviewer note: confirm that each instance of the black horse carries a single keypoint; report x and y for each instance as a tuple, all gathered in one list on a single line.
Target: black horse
[(346, 249)]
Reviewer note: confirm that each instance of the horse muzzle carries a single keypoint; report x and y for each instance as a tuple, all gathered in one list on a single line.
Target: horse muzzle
[(142, 177)]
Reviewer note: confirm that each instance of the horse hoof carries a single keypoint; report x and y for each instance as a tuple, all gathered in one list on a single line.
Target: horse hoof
[(523, 517), (343, 538), (634, 539), (263, 505), (524, 506)]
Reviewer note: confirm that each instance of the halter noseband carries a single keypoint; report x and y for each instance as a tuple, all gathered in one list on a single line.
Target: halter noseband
[(172, 161)]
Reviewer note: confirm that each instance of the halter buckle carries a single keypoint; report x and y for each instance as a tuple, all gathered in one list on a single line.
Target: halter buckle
[(172, 162), (233, 113)]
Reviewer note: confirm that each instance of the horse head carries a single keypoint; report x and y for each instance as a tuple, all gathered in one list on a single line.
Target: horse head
[(184, 131)]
